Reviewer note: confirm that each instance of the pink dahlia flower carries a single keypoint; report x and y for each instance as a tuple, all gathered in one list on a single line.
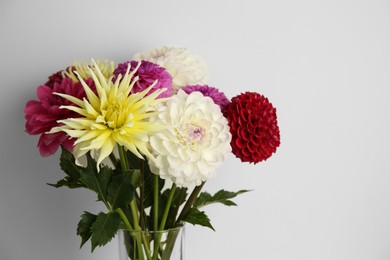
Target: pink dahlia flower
[(148, 72), (254, 127), (42, 115), (218, 97), (54, 78)]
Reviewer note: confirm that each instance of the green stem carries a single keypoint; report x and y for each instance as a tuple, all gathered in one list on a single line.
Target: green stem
[(142, 196), (134, 212), (139, 241), (157, 239), (191, 200), (170, 243), (133, 203), (125, 219), (167, 207), (155, 202), (123, 159), (180, 197)]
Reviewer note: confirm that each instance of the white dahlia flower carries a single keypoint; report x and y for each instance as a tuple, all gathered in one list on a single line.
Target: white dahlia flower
[(195, 143), (184, 67)]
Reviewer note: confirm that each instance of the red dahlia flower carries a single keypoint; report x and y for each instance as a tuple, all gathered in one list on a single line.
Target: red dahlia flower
[(54, 78), (254, 127), (42, 115)]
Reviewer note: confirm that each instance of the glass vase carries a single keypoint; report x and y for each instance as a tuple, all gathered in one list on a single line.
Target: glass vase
[(151, 245)]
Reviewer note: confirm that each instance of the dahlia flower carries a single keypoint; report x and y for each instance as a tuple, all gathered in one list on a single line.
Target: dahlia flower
[(254, 127), (195, 142), (106, 67), (184, 67), (42, 115), (218, 97), (113, 116), (55, 78), (147, 73)]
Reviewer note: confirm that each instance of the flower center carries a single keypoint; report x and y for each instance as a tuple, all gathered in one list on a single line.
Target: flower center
[(116, 116), (190, 134)]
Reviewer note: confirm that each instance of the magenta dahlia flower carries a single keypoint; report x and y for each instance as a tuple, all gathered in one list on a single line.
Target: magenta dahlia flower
[(217, 96), (42, 115), (254, 127), (148, 72)]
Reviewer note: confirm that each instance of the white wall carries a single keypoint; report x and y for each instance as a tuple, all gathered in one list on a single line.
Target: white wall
[(325, 65)]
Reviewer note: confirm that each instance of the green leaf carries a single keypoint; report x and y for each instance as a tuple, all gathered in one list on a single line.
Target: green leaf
[(84, 227), (95, 181), (69, 167), (66, 182), (197, 217), (221, 196), (120, 191), (149, 186), (135, 177), (104, 228), (104, 178), (133, 160)]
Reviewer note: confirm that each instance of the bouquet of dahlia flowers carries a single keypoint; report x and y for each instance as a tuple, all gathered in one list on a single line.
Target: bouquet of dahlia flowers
[(145, 136)]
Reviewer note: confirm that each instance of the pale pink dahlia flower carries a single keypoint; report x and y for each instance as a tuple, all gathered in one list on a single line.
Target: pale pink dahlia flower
[(147, 73), (41, 115), (184, 67)]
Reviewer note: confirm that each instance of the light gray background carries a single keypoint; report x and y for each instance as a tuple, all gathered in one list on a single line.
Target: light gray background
[(325, 66)]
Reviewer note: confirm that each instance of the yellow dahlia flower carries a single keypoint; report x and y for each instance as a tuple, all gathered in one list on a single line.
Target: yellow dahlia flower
[(112, 116), (106, 67)]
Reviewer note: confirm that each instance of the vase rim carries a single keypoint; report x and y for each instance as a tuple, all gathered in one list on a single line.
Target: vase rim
[(154, 231)]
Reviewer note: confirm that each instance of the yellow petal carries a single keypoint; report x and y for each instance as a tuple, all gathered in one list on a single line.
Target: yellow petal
[(72, 99), (88, 135), (106, 150)]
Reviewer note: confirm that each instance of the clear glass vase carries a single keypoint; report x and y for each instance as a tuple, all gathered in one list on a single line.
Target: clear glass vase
[(152, 245)]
